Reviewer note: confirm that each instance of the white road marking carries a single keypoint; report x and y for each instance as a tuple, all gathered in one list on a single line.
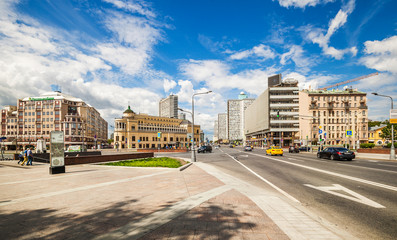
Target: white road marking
[(266, 181), (26, 199), (372, 161), (356, 197), (334, 174), (376, 169)]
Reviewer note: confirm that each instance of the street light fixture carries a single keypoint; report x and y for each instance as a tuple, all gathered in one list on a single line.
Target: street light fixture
[(392, 150), (193, 150)]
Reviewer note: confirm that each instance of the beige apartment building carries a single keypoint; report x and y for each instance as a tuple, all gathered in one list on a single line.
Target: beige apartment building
[(333, 113), (35, 117), (142, 131)]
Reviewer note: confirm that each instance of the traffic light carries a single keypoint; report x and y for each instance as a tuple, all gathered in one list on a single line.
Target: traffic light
[(278, 113)]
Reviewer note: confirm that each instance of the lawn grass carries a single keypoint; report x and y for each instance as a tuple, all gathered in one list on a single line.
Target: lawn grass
[(148, 162)]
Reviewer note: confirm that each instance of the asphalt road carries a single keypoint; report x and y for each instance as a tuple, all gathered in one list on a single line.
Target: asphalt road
[(359, 196)]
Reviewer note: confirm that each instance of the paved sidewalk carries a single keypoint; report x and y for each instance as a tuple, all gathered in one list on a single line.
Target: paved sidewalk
[(101, 202)]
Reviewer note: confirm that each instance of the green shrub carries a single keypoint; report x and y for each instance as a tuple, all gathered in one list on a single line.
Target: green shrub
[(389, 145), (367, 145)]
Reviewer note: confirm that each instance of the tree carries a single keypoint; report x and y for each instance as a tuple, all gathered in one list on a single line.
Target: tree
[(386, 131), (110, 141)]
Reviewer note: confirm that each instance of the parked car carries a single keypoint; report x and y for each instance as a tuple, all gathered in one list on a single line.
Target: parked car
[(293, 149), (204, 149), (274, 150), (304, 149), (336, 153), (247, 148)]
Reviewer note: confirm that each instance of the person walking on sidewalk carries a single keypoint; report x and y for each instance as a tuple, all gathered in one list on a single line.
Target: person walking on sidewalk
[(25, 156), (21, 154), (30, 157)]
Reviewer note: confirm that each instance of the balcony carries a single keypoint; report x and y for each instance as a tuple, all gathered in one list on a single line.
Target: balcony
[(274, 89), (363, 107), (313, 106), (330, 107), (281, 121), (284, 96), (284, 105), (284, 113), (292, 129)]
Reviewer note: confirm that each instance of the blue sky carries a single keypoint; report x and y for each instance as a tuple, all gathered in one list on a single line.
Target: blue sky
[(112, 53)]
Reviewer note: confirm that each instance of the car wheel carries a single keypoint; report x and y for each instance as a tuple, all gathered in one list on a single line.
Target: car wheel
[(318, 155), (332, 157), (281, 154)]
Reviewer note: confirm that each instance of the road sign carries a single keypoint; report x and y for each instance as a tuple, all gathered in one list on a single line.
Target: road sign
[(320, 131), (393, 116), (158, 134), (349, 133), (320, 127)]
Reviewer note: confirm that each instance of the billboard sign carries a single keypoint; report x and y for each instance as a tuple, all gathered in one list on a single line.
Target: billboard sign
[(57, 149)]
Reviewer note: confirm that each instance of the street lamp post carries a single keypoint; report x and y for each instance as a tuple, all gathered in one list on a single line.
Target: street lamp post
[(392, 150), (193, 157), (180, 109), (311, 129)]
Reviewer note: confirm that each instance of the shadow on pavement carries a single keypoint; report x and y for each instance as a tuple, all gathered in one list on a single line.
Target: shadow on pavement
[(56, 224)]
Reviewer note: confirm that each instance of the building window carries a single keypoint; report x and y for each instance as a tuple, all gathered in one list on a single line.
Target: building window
[(133, 138), (122, 138)]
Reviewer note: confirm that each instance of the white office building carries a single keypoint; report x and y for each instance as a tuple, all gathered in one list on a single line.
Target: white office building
[(236, 115), (168, 107)]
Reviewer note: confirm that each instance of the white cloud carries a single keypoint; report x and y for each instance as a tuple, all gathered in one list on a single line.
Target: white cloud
[(168, 85), (217, 75), (261, 51), (34, 56), (129, 60), (296, 54), (316, 35), (302, 3), (381, 55), (313, 81), (134, 7)]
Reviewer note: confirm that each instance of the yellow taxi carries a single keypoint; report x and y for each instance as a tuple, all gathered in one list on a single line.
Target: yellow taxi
[(274, 150)]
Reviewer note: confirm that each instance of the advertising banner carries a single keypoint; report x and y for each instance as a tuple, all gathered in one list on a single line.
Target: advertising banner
[(57, 149)]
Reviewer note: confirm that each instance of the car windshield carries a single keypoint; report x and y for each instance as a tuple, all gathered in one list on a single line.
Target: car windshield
[(276, 147)]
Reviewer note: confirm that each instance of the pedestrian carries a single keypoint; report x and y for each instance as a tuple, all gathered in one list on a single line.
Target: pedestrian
[(30, 157), (20, 156), (25, 157)]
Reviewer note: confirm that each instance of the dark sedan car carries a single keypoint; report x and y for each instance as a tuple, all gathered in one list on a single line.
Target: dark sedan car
[(304, 149), (204, 149), (335, 153)]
